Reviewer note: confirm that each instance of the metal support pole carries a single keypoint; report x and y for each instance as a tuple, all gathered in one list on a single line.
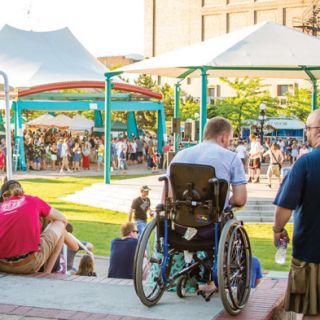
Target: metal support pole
[(8, 132), (21, 160), (107, 128), (176, 114), (314, 94), (314, 87), (107, 124), (132, 127), (203, 102)]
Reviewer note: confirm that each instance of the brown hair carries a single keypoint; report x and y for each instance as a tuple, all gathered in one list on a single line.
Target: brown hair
[(85, 266), (252, 137), (126, 228), (14, 189), (215, 127)]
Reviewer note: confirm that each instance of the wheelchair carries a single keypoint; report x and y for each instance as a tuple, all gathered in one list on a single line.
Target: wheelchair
[(196, 208)]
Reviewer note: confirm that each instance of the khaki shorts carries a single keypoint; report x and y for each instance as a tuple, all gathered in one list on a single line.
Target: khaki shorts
[(48, 242), (64, 161), (303, 291), (273, 169)]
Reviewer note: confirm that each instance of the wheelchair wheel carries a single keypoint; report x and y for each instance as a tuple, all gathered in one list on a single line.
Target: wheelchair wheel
[(148, 280), (234, 267)]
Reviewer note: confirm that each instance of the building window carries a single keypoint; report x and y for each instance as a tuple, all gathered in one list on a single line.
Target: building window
[(211, 92), (283, 89)]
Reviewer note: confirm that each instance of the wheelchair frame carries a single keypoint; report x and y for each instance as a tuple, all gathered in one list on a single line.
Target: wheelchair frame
[(232, 251)]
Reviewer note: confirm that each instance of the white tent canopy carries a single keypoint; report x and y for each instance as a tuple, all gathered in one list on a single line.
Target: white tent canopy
[(43, 120), (62, 121), (80, 123), (285, 123), (266, 50), (35, 58)]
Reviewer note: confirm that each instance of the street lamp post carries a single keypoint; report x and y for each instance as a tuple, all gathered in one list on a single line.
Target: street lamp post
[(262, 118)]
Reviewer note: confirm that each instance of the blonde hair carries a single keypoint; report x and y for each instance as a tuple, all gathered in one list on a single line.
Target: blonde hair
[(252, 137), (126, 228)]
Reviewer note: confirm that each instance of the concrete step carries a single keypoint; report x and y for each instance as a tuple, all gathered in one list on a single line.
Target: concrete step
[(103, 298)]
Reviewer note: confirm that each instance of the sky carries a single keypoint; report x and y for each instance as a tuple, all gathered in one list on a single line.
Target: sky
[(104, 27)]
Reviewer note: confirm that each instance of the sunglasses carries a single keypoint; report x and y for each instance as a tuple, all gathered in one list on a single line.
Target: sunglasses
[(309, 127)]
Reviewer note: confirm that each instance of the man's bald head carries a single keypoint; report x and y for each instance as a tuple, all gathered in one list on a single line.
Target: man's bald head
[(313, 128), (314, 118)]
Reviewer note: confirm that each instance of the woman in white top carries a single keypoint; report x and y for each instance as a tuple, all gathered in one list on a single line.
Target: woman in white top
[(276, 160), (254, 159)]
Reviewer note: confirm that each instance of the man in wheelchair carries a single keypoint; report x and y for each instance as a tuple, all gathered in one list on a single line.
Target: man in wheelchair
[(195, 219)]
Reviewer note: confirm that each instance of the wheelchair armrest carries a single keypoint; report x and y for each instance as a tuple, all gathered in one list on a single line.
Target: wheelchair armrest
[(166, 184)]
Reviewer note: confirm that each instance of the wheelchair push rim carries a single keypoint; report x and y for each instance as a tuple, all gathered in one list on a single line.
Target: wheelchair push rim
[(234, 267), (148, 282)]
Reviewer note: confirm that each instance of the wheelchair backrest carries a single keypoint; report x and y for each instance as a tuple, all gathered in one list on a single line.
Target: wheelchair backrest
[(194, 200)]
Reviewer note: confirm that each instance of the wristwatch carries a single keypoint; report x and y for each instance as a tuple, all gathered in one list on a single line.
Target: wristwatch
[(276, 230)]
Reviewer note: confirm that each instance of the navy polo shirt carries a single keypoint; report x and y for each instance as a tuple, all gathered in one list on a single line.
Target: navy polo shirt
[(300, 191), (122, 257)]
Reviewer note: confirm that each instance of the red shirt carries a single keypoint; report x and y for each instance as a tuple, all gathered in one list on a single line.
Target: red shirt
[(20, 225)]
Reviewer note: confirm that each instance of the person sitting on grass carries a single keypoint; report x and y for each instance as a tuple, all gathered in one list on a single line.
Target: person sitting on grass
[(86, 267), (23, 248), (122, 252)]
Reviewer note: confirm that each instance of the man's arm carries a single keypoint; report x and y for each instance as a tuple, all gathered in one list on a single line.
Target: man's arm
[(55, 215), (131, 213), (239, 195), (281, 217)]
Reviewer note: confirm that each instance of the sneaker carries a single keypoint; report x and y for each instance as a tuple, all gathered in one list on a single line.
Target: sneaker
[(207, 287)]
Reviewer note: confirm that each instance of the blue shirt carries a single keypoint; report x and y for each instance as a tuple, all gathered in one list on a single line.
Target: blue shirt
[(256, 271), (227, 164), (122, 257), (300, 191)]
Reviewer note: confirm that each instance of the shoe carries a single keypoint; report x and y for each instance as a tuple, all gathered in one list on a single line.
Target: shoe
[(250, 180), (256, 181), (207, 287), (69, 170), (269, 185)]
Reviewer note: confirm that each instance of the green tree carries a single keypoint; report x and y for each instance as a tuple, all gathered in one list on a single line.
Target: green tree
[(249, 94), (299, 104)]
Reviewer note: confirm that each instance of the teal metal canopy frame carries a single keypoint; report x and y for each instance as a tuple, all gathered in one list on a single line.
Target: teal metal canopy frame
[(204, 89), (114, 102)]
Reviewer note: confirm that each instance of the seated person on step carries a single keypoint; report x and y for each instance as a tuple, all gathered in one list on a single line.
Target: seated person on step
[(122, 252), (23, 248)]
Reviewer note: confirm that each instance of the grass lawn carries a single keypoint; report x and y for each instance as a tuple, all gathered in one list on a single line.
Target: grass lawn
[(99, 226)]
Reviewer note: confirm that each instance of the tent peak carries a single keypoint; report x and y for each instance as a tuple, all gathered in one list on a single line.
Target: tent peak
[(15, 29)]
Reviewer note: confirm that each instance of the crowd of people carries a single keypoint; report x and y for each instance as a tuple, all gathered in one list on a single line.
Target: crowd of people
[(274, 151), (66, 151)]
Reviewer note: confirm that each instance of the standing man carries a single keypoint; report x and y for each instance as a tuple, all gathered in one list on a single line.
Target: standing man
[(300, 192), (139, 209)]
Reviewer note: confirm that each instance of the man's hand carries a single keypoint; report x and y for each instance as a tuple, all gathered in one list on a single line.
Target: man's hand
[(278, 236)]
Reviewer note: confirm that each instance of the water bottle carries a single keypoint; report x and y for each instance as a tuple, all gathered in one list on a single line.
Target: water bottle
[(280, 256)]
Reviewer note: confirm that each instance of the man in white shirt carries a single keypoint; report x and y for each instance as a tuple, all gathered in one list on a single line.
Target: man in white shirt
[(241, 151)]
